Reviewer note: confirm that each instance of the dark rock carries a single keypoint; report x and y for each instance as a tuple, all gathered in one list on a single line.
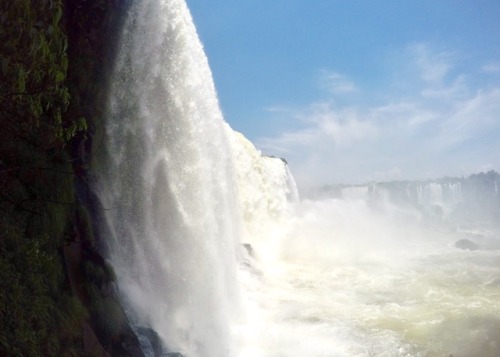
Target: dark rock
[(249, 249), (151, 343), (149, 340), (275, 157), (247, 262), (466, 244)]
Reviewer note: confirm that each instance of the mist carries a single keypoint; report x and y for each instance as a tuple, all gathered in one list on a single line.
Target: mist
[(387, 269)]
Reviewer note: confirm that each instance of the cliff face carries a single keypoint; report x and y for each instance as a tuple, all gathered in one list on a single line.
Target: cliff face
[(57, 294)]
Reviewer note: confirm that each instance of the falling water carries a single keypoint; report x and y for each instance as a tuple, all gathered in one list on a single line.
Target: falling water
[(214, 251), (170, 185), (170, 181)]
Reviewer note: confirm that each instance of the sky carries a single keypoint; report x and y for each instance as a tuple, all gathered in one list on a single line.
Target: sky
[(352, 91)]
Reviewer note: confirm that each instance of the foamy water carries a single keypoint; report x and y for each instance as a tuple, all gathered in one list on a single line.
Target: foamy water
[(345, 280)]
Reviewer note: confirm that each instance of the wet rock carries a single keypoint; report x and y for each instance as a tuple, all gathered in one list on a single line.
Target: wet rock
[(249, 249), (151, 343), (149, 340), (466, 244), (247, 262)]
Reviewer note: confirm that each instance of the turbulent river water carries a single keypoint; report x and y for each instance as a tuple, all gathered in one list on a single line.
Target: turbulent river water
[(214, 250), (346, 280)]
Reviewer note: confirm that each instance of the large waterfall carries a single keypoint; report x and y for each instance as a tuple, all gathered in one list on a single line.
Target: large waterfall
[(170, 183), (213, 250)]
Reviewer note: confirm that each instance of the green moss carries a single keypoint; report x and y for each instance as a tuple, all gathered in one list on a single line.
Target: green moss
[(38, 315), (98, 275), (33, 95)]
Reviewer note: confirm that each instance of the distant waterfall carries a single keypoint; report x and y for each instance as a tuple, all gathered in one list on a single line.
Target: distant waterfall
[(175, 203)]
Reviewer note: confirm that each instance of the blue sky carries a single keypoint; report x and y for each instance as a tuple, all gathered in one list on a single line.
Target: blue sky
[(354, 91)]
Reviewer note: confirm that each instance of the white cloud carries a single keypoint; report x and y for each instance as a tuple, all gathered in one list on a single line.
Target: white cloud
[(406, 113), (457, 89), (433, 66), (443, 126), (473, 118), (343, 128), (325, 126), (337, 83)]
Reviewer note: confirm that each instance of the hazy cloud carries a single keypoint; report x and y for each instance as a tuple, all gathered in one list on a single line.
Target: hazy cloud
[(433, 66), (457, 89)]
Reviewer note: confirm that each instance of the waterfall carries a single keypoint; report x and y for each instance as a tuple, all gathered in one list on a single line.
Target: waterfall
[(170, 185), (177, 207), (210, 254)]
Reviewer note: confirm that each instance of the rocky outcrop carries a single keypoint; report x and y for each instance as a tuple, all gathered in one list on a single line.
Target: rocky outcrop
[(466, 244)]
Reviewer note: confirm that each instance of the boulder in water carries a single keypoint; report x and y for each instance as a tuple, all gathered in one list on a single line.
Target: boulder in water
[(466, 244), (249, 249)]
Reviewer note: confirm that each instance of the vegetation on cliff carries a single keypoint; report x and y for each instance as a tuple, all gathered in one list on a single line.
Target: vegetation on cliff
[(39, 315), (55, 288)]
